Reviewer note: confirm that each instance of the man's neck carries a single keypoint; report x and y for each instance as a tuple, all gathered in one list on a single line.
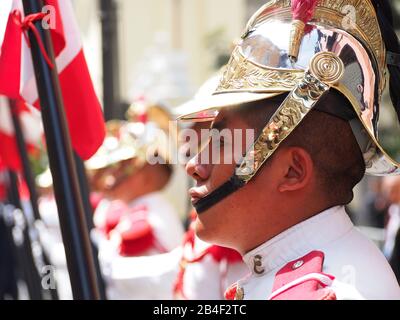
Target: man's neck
[(286, 219)]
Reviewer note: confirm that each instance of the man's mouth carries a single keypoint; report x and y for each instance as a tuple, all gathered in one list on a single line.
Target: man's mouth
[(197, 193)]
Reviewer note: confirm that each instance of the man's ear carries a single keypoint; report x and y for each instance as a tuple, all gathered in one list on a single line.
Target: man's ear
[(298, 169)]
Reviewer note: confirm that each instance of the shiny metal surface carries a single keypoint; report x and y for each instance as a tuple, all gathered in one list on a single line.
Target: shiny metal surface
[(264, 53), (260, 65), (268, 46)]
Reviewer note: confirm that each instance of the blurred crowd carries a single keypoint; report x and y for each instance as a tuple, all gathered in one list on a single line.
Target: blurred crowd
[(379, 216)]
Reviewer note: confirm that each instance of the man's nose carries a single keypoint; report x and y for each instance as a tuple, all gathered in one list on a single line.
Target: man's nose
[(197, 170)]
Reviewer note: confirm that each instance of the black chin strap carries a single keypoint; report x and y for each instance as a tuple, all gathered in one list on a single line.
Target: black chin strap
[(229, 187)]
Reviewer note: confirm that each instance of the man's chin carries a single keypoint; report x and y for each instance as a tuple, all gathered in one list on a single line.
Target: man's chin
[(208, 232), (204, 230)]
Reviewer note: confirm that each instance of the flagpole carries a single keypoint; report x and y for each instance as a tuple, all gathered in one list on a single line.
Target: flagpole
[(85, 192), (9, 257), (24, 249), (109, 34), (73, 225)]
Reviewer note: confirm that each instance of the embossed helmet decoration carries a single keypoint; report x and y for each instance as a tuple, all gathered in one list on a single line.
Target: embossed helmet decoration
[(304, 48)]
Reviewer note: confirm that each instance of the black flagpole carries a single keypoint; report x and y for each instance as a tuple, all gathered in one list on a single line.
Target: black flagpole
[(85, 192), (73, 225), (26, 259), (9, 258), (109, 33)]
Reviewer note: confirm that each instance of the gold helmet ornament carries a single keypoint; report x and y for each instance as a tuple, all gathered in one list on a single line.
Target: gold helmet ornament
[(130, 140), (127, 148), (119, 144), (145, 111), (306, 48)]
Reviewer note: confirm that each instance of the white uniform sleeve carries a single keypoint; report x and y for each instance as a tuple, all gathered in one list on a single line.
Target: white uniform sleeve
[(142, 278)]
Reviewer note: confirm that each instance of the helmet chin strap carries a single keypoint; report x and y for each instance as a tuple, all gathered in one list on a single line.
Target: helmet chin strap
[(299, 102), (229, 187)]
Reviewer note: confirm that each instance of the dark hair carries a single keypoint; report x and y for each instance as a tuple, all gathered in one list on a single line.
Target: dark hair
[(328, 139)]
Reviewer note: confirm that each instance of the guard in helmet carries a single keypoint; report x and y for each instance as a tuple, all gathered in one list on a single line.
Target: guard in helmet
[(308, 81), (133, 214)]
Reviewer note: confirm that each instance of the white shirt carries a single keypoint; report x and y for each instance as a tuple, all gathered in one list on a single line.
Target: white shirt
[(359, 268), (141, 278)]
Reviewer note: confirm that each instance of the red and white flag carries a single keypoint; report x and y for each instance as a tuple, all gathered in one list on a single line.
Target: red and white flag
[(17, 78)]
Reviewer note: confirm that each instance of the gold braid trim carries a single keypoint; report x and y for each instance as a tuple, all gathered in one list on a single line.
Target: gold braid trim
[(243, 75)]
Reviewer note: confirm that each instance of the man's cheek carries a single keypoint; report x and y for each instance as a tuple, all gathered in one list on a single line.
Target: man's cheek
[(221, 173)]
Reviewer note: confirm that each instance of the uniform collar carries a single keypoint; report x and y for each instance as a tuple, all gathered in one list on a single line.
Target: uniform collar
[(311, 234)]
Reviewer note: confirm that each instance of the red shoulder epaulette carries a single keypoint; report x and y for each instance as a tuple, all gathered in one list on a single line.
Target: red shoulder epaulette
[(302, 279), (113, 215), (136, 233)]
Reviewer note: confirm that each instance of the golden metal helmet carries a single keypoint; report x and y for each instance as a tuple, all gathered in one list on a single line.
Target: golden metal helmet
[(118, 145), (339, 46), (144, 110), (127, 140)]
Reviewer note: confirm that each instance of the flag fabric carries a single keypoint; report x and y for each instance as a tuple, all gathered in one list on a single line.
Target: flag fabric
[(17, 78), (32, 130)]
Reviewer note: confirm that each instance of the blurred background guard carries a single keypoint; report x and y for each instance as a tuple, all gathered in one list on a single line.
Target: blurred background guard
[(129, 171)]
